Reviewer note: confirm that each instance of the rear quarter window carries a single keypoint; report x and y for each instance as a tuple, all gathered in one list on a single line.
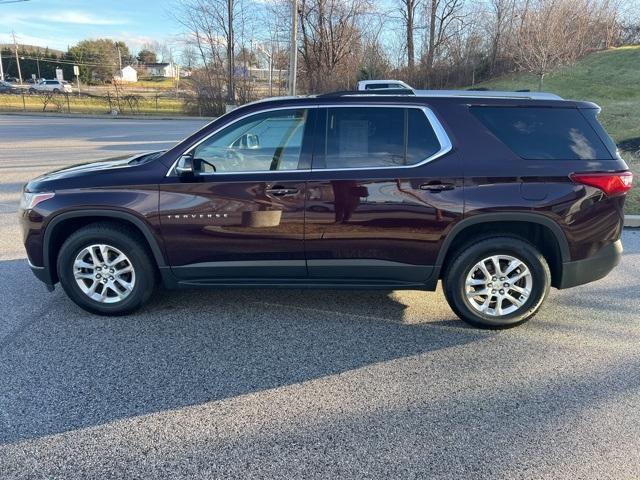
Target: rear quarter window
[(544, 133)]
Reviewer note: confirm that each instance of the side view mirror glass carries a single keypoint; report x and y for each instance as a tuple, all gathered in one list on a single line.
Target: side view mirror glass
[(185, 167)]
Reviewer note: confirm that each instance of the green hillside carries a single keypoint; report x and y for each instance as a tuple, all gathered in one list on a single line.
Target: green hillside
[(612, 80)]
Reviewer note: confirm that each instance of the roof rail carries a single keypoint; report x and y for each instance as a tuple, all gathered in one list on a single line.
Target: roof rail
[(520, 94), (367, 93), (523, 94)]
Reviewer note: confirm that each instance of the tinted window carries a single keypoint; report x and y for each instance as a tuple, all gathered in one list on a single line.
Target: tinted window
[(376, 86), (358, 137), (591, 114), (544, 133), (421, 139), (265, 141)]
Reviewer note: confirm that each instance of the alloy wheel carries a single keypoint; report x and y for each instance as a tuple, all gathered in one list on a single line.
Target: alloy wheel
[(104, 273), (498, 285)]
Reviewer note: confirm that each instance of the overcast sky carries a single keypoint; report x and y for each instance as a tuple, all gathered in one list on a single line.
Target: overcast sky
[(61, 23)]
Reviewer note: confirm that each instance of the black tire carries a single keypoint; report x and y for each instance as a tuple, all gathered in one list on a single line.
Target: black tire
[(456, 275), (126, 240), (55, 90)]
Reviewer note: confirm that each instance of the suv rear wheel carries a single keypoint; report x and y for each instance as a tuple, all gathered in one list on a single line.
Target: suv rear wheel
[(499, 282), (105, 269)]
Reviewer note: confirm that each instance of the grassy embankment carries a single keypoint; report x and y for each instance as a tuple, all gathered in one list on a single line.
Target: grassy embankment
[(612, 80)]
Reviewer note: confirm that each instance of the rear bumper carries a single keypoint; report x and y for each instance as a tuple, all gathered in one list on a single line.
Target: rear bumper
[(592, 268)]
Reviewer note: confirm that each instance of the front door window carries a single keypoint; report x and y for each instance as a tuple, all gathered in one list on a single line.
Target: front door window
[(270, 141)]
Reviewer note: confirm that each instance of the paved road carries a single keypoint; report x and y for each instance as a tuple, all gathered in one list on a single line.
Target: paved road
[(310, 384)]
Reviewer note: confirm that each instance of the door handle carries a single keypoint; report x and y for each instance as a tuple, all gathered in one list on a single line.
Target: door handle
[(437, 187), (278, 191)]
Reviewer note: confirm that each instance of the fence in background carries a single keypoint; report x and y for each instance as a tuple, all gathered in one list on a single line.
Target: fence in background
[(114, 104)]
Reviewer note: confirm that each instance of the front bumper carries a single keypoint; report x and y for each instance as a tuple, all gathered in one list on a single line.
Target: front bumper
[(592, 268), (42, 274)]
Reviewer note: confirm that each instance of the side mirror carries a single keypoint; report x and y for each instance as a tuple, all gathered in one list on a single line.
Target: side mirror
[(185, 167), (252, 140)]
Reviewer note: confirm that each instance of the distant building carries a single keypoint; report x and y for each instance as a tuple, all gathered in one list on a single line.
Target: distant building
[(167, 70), (263, 73), (127, 74)]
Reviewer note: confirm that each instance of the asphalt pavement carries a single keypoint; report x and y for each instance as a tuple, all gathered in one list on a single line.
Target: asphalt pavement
[(300, 383)]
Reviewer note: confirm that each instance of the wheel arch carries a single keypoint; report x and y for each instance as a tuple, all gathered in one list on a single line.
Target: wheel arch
[(538, 229), (55, 233)]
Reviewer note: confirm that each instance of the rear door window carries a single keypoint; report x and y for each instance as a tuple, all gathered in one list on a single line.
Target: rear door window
[(364, 137), (543, 133)]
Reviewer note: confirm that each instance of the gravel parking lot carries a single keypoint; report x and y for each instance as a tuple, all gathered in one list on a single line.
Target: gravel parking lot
[(300, 384)]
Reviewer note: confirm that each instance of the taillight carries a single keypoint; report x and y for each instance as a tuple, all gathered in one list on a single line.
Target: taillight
[(610, 183)]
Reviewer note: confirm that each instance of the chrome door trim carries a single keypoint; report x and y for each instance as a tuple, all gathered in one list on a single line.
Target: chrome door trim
[(443, 138), (445, 143)]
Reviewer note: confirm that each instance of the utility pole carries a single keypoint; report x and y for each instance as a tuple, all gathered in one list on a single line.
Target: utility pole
[(15, 46), (177, 72), (119, 57), (293, 48), (1, 67), (230, 54)]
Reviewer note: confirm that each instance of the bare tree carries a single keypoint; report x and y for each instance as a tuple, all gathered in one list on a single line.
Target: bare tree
[(212, 26), (500, 28), (331, 41), (557, 32), (408, 11), (443, 17), (374, 64), (189, 56)]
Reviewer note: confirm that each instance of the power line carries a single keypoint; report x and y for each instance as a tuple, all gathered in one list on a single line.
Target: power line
[(69, 62), (4, 2)]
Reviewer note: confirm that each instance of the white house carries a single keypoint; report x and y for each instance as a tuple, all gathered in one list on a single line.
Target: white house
[(127, 74), (167, 70)]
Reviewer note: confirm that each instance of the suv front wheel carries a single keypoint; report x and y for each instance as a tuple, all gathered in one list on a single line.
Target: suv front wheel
[(499, 282), (105, 269)]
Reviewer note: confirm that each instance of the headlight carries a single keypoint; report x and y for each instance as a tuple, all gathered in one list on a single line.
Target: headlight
[(30, 200)]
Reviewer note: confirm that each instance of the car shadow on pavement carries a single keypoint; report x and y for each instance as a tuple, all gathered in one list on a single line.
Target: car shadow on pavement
[(63, 369)]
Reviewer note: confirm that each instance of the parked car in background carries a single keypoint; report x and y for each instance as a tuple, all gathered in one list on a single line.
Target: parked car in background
[(6, 87), (55, 86), (382, 85), (499, 195)]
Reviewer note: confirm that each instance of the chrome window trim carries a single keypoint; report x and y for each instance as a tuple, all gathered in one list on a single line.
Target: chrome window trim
[(445, 142)]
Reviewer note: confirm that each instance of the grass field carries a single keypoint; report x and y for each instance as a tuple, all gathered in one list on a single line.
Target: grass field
[(92, 105), (612, 80)]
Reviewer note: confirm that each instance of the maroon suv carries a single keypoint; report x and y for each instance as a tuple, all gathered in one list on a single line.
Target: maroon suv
[(499, 194)]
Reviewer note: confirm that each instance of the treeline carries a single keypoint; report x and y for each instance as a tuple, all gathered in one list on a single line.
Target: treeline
[(40, 62), (449, 43), (428, 43), (98, 60)]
